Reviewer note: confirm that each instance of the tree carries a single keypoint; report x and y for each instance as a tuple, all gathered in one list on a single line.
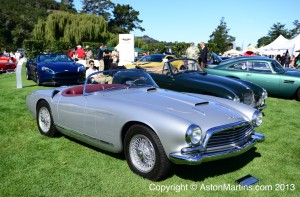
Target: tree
[(18, 18), (276, 30), (73, 28), (125, 19), (98, 7), (220, 41), (295, 31)]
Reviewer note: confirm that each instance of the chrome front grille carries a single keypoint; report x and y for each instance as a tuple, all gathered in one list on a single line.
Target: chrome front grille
[(226, 139)]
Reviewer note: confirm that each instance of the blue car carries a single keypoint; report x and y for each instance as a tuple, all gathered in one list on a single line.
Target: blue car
[(55, 69)]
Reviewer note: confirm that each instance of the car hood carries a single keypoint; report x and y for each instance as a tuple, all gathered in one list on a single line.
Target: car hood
[(193, 109), (60, 66), (234, 85)]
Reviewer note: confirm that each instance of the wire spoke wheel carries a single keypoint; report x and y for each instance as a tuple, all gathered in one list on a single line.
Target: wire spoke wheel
[(142, 153), (44, 119)]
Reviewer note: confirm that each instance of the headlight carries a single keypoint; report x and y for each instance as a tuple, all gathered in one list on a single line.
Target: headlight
[(257, 118), (81, 69), (46, 69), (236, 99), (193, 134), (264, 94)]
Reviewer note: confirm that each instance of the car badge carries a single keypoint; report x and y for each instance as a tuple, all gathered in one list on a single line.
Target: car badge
[(231, 117), (66, 70)]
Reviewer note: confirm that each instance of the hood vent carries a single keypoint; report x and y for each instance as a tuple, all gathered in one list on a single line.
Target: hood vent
[(151, 89), (202, 103)]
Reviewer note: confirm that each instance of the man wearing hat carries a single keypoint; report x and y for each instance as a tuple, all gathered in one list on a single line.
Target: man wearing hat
[(79, 53), (88, 54)]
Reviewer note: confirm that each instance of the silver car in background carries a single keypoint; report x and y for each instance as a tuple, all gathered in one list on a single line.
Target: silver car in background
[(125, 111)]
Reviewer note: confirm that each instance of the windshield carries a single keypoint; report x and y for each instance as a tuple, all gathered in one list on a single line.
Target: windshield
[(55, 58), (118, 79), (277, 67)]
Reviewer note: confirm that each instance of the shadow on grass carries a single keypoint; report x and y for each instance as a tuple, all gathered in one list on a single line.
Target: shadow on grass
[(215, 168), (194, 172), (119, 156)]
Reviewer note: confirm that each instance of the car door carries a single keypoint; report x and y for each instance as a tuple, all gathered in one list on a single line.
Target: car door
[(260, 72), (87, 115)]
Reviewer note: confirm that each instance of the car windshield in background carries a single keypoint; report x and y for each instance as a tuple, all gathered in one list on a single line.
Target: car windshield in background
[(277, 67), (55, 58), (120, 78)]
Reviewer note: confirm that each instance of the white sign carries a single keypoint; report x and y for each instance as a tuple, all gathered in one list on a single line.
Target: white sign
[(126, 49), (19, 72)]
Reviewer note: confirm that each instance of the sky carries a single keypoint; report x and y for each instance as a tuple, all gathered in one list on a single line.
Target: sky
[(195, 20)]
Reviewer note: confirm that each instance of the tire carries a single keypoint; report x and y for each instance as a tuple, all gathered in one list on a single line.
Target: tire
[(38, 82), (298, 94), (27, 74), (44, 120), (145, 154)]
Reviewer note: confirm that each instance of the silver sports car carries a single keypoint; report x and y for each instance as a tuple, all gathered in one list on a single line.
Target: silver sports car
[(125, 111)]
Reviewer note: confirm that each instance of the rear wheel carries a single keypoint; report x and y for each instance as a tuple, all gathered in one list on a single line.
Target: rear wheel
[(145, 154), (298, 94), (45, 121)]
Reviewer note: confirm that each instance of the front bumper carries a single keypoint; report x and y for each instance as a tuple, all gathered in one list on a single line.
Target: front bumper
[(197, 158)]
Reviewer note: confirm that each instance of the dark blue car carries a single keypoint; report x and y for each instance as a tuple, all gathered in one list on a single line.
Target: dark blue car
[(55, 69)]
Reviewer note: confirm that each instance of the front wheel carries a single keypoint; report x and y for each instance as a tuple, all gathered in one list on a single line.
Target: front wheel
[(27, 74), (44, 120), (145, 154)]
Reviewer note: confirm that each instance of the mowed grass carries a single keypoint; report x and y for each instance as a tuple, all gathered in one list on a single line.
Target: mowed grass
[(35, 165)]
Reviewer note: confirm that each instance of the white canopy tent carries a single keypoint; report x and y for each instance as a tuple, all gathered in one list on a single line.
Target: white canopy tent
[(280, 45), (232, 52)]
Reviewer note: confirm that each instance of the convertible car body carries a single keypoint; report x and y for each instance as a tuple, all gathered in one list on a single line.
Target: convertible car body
[(266, 72), (152, 126), (55, 69), (190, 78)]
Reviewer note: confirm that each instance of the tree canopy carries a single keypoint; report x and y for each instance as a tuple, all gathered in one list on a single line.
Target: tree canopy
[(73, 28), (220, 41)]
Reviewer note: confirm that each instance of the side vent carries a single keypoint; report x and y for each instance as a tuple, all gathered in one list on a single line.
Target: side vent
[(288, 81)]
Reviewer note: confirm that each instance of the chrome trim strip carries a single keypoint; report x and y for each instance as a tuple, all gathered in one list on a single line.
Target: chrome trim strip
[(76, 134)]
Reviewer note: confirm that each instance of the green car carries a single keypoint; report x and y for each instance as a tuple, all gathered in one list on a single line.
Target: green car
[(190, 78), (265, 72)]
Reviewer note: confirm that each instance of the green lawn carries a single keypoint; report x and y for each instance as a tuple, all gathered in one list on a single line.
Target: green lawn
[(34, 165)]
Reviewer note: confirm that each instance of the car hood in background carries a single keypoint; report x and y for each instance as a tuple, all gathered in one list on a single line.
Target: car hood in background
[(61, 66), (232, 84)]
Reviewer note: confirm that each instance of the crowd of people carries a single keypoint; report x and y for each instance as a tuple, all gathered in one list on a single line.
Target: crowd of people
[(107, 59)]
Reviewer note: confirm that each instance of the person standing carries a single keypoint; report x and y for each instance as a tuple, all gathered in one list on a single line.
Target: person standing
[(88, 54), (79, 53), (100, 57), (192, 51), (106, 57), (203, 55)]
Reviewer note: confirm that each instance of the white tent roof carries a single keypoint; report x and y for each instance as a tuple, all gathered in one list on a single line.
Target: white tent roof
[(280, 45), (232, 52)]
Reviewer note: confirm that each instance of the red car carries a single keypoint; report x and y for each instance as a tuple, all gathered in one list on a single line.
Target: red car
[(6, 65)]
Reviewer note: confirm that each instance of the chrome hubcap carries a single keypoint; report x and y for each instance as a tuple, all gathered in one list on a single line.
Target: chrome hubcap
[(44, 119), (142, 153)]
